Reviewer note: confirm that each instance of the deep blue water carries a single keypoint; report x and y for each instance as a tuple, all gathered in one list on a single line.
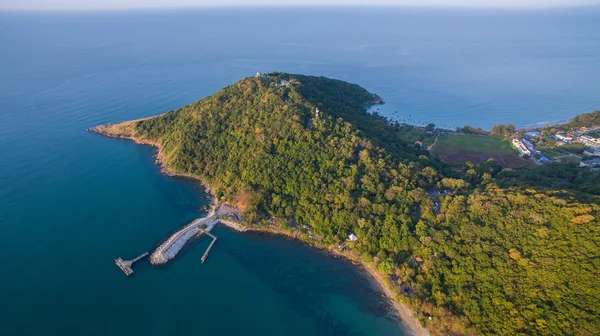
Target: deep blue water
[(71, 201)]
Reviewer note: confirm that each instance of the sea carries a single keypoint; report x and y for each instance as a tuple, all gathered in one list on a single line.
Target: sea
[(72, 201)]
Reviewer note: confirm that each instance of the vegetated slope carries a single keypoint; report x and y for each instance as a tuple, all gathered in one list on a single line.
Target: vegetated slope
[(486, 260), (518, 262), (591, 119)]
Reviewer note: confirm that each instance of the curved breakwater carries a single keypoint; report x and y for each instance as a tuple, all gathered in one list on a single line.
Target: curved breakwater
[(170, 247), (165, 253)]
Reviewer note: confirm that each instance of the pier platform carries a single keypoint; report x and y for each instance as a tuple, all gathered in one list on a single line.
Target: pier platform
[(125, 265)]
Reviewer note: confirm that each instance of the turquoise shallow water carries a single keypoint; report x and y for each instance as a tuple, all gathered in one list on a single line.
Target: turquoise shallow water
[(71, 201)]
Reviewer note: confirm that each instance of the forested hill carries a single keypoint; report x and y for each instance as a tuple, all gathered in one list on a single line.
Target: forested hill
[(474, 257), (591, 119)]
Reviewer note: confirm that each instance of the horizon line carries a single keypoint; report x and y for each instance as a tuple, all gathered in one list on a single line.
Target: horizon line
[(263, 6)]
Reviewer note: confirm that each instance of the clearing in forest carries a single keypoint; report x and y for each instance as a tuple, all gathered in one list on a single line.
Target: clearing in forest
[(460, 148)]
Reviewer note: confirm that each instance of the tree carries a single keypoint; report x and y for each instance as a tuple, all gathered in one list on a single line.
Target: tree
[(503, 130), (387, 266)]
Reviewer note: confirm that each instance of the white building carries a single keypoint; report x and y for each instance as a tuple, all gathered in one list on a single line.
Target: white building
[(283, 82), (520, 147), (352, 237), (529, 146), (564, 137), (589, 141)]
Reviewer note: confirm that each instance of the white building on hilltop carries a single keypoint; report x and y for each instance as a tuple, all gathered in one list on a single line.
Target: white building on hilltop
[(352, 237)]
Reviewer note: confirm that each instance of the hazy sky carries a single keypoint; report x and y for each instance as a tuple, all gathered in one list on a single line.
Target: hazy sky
[(120, 4)]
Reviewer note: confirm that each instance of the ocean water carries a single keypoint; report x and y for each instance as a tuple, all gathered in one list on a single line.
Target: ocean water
[(71, 201)]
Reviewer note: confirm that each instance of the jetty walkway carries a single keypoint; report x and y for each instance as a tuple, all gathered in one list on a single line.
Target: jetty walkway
[(214, 240)]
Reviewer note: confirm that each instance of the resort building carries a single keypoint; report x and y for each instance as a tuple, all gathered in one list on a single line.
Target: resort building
[(520, 147), (589, 141), (564, 137), (529, 146)]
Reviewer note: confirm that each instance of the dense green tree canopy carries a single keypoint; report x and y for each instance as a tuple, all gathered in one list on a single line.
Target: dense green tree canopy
[(503, 130), (477, 254), (591, 119)]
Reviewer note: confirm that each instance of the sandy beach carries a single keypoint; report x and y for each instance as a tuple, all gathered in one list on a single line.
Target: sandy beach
[(409, 323)]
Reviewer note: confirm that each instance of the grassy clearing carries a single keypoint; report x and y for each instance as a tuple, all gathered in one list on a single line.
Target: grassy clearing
[(458, 149), (475, 143)]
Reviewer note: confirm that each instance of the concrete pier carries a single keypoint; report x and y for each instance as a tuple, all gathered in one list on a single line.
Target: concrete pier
[(214, 240), (125, 265)]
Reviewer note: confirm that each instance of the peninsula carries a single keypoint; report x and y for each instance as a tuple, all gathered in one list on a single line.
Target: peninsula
[(466, 250)]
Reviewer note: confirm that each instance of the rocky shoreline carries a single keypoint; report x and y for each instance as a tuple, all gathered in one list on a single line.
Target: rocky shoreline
[(233, 225), (106, 130), (402, 313)]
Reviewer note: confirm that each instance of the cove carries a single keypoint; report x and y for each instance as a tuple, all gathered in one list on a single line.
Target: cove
[(252, 283)]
